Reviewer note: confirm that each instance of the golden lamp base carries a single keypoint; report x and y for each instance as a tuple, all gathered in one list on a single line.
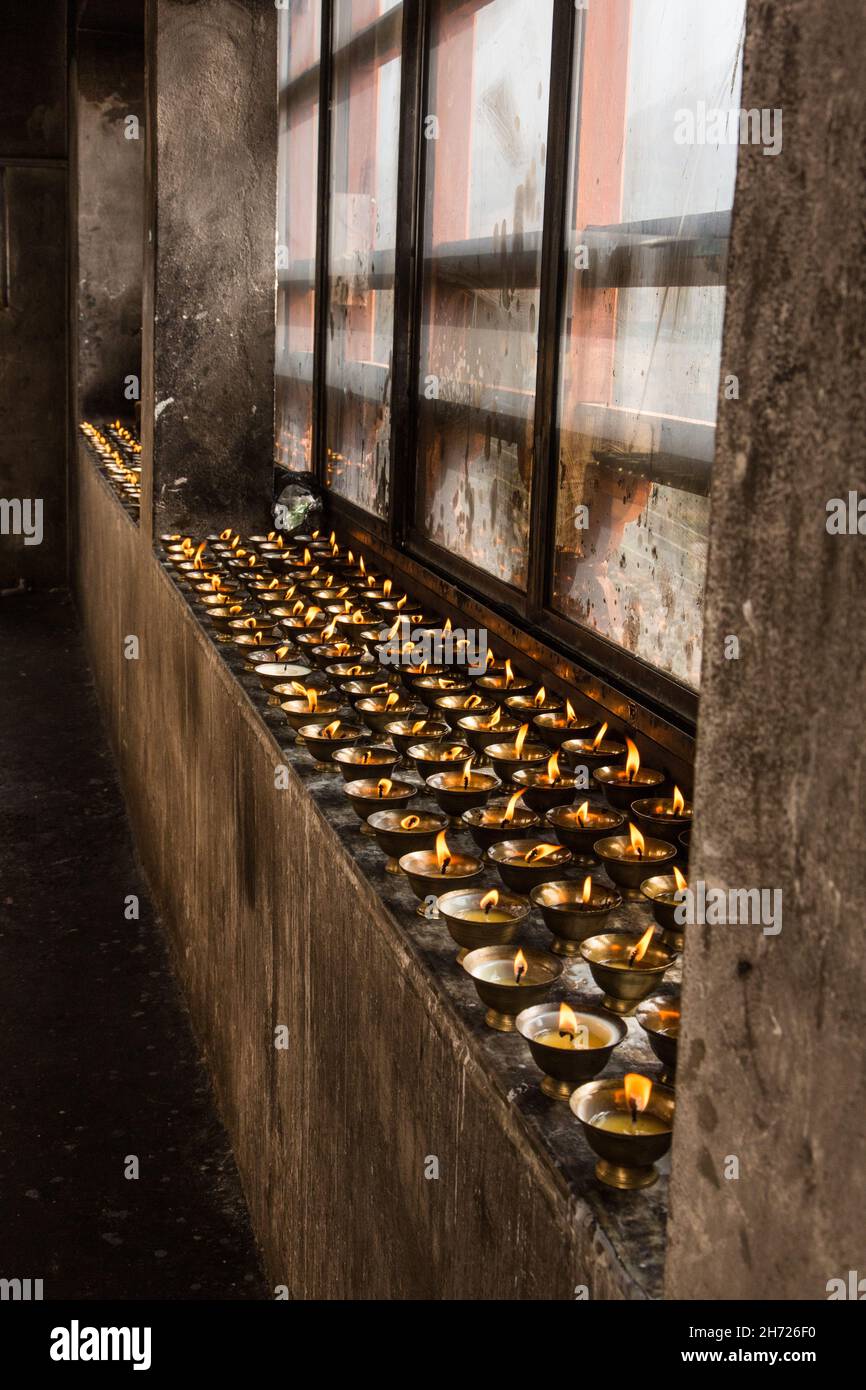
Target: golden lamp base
[(392, 866), (364, 829), (625, 1179), (503, 1023), (556, 1090), (561, 947), (622, 1007)]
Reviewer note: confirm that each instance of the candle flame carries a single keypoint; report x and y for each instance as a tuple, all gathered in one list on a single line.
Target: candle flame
[(449, 754), (638, 843), (361, 566), (250, 623), (597, 741), (392, 631), (539, 852), (511, 807), (679, 802), (567, 1020), (281, 653), (509, 674), (275, 584), (236, 608), (521, 739), (341, 648), (298, 688), (642, 946), (520, 966), (332, 539), (312, 701), (443, 854), (216, 584), (297, 607), (467, 771), (638, 1090), (383, 786), (410, 822), (489, 659), (311, 614), (490, 900), (497, 715), (307, 556), (225, 535), (680, 880), (632, 762), (539, 699), (328, 632), (401, 601), (472, 702), (392, 700), (586, 895), (331, 730), (387, 587), (583, 812), (197, 561), (417, 726), (570, 716), (553, 768)]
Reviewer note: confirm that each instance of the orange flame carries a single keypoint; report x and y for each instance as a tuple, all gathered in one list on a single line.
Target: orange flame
[(586, 895), (539, 699), (679, 802), (417, 726), (509, 674), (311, 614), (472, 702), (570, 716), (387, 587), (553, 768), (467, 771), (638, 843), (583, 812), (298, 688), (392, 700), (443, 854), (489, 659), (680, 880), (520, 966), (197, 561), (410, 822), (638, 1090), (307, 556), (331, 730), (383, 786), (490, 900), (511, 807), (250, 623), (281, 653), (226, 534), (642, 946), (539, 852), (312, 701), (599, 738), (392, 631), (328, 632), (497, 715), (567, 1021), (632, 762), (297, 607), (521, 739)]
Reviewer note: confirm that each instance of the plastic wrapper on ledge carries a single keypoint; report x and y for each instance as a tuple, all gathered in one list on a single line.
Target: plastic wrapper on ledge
[(298, 506)]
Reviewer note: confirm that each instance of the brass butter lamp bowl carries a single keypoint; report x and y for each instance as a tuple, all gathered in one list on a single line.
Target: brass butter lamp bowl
[(628, 1143)]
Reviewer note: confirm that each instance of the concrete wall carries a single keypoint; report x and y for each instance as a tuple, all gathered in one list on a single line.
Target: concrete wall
[(273, 920), (773, 1048), (210, 280), (33, 372), (110, 219)]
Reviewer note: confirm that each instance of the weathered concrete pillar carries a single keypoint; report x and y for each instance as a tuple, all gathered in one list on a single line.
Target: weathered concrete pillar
[(772, 1070), (208, 340)]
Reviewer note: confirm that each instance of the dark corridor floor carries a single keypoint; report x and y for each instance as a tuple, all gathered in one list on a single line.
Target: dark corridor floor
[(97, 1060)]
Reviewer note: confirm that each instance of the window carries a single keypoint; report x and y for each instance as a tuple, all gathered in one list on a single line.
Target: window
[(647, 236), (297, 174), (362, 224), (518, 344), (486, 132)]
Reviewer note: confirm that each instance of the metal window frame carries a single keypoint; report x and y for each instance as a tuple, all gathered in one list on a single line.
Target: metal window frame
[(648, 692)]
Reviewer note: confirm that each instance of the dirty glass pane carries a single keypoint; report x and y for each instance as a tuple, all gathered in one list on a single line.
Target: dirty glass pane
[(486, 129), (647, 236), (299, 43), (365, 110)]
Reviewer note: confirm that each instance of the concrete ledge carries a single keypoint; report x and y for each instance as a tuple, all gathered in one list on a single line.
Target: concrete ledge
[(279, 912)]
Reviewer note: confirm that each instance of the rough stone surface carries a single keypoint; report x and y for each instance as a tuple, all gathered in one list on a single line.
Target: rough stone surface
[(282, 913), (110, 207), (772, 1067), (99, 1061), (33, 265), (208, 344)]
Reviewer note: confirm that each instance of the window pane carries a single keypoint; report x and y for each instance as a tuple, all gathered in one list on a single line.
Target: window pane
[(365, 110), (649, 221), (299, 45), (485, 156)]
